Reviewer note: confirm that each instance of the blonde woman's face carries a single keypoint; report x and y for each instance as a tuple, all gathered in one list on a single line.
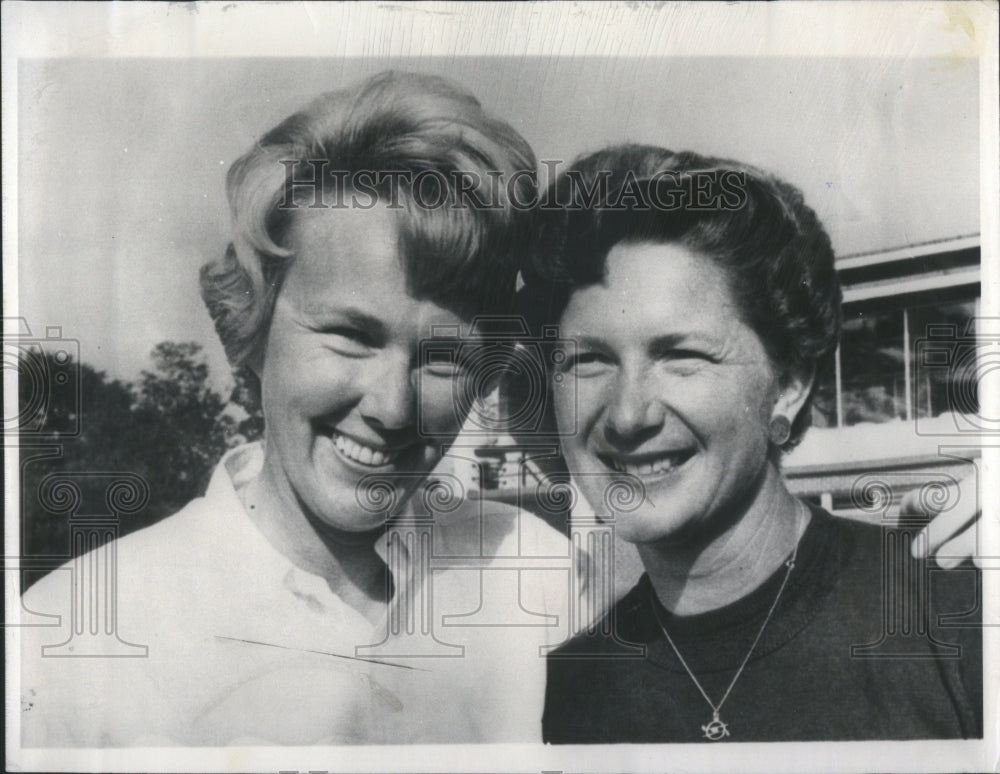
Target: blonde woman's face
[(340, 371)]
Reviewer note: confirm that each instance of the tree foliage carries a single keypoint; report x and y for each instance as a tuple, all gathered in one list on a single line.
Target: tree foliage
[(170, 428)]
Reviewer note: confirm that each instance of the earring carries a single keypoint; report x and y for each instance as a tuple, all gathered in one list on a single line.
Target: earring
[(779, 430)]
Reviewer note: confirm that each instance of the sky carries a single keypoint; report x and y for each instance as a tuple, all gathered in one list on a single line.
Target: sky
[(122, 161)]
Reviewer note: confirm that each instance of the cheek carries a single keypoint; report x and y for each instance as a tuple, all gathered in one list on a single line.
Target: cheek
[(308, 385), (562, 407), (735, 411), (758, 397), (578, 403), (440, 409)]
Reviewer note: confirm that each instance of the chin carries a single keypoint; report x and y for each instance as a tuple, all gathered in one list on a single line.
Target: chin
[(358, 500), (645, 507), (344, 514), (363, 508), (646, 526)]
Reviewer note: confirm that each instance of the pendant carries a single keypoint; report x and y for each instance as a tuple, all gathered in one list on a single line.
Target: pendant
[(715, 730)]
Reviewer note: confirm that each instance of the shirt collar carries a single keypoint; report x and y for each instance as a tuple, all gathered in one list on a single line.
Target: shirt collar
[(241, 465)]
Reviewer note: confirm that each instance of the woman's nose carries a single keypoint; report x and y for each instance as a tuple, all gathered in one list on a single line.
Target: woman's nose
[(633, 410), (390, 400)]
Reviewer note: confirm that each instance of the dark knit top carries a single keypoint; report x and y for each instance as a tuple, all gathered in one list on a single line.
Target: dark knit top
[(865, 643)]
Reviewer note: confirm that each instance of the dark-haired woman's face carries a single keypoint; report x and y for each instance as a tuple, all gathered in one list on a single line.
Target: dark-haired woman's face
[(668, 385)]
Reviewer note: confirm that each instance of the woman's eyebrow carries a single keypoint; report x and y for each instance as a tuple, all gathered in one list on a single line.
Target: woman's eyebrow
[(674, 340), (668, 341), (587, 342)]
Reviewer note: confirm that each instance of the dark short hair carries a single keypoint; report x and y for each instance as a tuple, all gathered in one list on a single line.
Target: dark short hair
[(754, 226), (460, 256)]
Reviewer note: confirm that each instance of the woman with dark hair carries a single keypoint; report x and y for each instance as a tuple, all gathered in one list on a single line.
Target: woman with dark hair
[(703, 300), (278, 608)]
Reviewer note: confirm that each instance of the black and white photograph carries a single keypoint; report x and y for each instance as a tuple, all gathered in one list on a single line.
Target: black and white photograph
[(537, 387)]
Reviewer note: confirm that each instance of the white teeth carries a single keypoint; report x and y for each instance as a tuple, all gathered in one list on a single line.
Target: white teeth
[(661, 465), (365, 455)]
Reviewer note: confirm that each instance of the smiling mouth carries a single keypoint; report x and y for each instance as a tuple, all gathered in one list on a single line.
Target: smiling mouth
[(365, 456), (647, 465)]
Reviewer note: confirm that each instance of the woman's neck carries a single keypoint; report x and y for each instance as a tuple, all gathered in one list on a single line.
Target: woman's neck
[(697, 577), (347, 561)]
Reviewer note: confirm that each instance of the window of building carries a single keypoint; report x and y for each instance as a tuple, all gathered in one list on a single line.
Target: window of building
[(873, 369), (949, 383), (879, 375)]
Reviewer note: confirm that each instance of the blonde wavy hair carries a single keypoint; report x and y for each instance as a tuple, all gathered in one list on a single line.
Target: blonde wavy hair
[(464, 258)]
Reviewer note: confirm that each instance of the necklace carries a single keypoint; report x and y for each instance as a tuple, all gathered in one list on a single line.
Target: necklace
[(716, 729)]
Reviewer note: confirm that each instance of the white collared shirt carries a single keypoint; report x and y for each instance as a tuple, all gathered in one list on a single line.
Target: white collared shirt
[(243, 646)]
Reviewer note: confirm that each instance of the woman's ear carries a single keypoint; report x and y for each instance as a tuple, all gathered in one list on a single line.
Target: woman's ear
[(794, 391), (255, 360), (253, 365), (254, 393)]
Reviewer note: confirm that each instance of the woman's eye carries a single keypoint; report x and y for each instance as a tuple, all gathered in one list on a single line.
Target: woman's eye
[(685, 359), (443, 365), (351, 339), (587, 363), (443, 370), (672, 353)]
